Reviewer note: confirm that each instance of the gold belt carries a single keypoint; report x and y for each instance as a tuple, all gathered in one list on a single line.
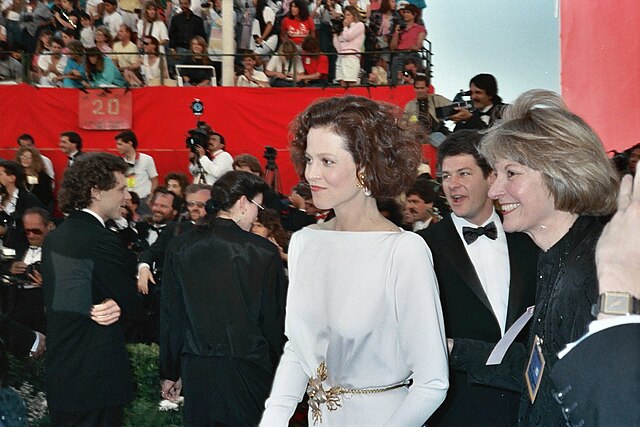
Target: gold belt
[(331, 397)]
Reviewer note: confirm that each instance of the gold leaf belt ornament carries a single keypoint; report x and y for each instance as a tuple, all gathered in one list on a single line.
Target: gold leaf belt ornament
[(331, 397)]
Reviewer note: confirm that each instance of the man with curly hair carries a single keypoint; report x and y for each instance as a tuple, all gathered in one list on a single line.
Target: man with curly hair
[(88, 378)]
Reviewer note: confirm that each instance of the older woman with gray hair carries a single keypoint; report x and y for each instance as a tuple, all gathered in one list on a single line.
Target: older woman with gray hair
[(555, 183)]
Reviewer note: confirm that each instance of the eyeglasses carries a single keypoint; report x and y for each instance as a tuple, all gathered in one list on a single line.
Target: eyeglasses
[(257, 204), (146, 43), (35, 231), (198, 204)]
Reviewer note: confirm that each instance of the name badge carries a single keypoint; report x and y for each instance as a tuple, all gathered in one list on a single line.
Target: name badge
[(535, 369), (131, 181)]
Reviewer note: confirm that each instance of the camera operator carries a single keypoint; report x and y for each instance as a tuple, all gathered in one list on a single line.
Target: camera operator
[(488, 105), (22, 271), (207, 165)]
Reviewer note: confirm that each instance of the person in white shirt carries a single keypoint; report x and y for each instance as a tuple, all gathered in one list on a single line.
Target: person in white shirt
[(112, 19), (142, 176), (207, 166)]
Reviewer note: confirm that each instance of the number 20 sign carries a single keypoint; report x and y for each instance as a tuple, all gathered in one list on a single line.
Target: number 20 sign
[(105, 109)]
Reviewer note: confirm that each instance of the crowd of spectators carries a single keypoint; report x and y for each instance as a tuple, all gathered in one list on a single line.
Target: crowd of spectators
[(111, 43)]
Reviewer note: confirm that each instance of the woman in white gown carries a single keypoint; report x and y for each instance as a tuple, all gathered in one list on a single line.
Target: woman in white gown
[(364, 323)]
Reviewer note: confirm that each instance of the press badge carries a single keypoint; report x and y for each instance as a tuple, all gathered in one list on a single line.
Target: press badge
[(535, 369), (131, 181)]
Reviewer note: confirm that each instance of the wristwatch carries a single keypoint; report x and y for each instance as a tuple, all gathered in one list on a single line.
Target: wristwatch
[(617, 304)]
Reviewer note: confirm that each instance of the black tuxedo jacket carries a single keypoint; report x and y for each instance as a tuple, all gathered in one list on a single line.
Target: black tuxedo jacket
[(476, 122), (599, 379), (87, 367), (15, 235), (470, 320), (18, 338)]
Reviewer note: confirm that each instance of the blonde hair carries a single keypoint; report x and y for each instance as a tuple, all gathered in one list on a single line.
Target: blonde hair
[(540, 132)]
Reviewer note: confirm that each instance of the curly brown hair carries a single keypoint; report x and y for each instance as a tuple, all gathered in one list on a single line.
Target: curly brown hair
[(37, 164), (95, 170), (385, 146)]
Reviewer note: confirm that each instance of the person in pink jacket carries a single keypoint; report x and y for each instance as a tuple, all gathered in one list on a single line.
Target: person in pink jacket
[(348, 44)]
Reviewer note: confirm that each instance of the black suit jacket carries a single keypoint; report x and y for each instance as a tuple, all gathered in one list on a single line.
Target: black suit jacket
[(476, 122), (18, 338), (87, 367), (15, 235), (470, 320), (599, 379)]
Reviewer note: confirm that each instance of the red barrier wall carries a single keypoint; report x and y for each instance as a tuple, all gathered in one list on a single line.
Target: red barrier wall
[(250, 119), (600, 66)]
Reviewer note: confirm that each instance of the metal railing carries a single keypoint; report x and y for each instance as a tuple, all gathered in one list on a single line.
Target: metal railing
[(173, 63)]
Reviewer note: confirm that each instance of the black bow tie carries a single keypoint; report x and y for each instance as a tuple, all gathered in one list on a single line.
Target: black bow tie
[(157, 228), (70, 158), (471, 234)]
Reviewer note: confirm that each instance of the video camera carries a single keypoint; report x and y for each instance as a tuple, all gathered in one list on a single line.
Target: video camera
[(449, 110)]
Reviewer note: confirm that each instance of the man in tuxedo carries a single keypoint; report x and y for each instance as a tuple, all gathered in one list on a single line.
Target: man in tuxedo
[(71, 145), (597, 378), (22, 272), (487, 104), (486, 279), (150, 262), (88, 378)]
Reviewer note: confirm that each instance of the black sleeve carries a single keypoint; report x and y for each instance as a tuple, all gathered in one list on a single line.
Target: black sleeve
[(18, 338)]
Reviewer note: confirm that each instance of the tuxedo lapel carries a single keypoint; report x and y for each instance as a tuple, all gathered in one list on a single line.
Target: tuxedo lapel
[(455, 253)]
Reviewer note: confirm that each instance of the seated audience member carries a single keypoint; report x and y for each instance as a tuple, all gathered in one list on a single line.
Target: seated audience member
[(183, 27), (268, 225), (177, 183), (297, 24), (112, 18), (27, 140), (125, 51), (103, 39), (316, 65), (348, 44), (408, 39), (197, 76), (153, 67), (42, 46), (151, 25), (66, 17), (596, 377), (251, 77), (52, 65), (101, 71), (379, 75), (67, 35), (22, 272), (10, 69), (411, 68), (74, 73), (264, 36), (284, 68), (38, 182), (87, 32)]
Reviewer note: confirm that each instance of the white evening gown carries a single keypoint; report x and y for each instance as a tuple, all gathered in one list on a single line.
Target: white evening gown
[(367, 304)]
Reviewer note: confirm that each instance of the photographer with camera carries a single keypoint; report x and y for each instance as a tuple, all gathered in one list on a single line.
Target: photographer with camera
[(488, 105), (208, 158), (21, 271), (409, 37)]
